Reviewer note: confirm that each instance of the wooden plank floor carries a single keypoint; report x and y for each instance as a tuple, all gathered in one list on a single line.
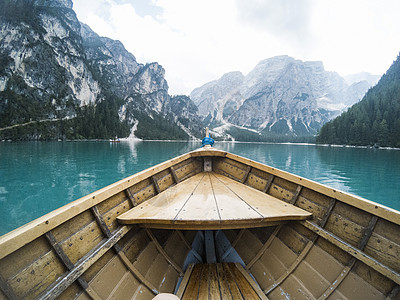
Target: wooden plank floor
[(212, 201), (219, 281)]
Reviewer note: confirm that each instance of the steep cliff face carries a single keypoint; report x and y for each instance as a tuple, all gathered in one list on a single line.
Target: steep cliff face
[(56, 70), (185, 114), (280, 95)]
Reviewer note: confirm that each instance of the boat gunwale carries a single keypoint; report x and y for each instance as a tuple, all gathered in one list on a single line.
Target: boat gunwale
[(23, 235)]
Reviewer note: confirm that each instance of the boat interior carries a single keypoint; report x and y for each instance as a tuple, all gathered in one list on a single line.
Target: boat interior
[(207, 225)]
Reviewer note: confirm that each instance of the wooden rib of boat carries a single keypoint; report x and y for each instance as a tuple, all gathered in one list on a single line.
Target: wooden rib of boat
[(207, 224)]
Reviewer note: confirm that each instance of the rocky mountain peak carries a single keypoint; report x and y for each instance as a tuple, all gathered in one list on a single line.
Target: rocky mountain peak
[(55, 3), (59, 75), (281, 95)]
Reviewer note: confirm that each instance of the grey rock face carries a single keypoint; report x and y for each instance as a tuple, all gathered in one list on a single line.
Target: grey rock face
[(49, 58), (280, 95), (185, 113)]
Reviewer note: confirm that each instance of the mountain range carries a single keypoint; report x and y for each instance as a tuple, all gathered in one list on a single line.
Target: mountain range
[(60, 80), (280, 96)]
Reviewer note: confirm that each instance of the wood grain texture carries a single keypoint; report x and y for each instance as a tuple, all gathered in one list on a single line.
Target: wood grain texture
[(210, 200)]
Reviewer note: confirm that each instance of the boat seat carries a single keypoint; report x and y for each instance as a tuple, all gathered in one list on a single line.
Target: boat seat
[(218, 281), (211, 201)]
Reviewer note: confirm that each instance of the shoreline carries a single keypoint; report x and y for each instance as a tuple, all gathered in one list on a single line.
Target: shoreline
[(225, 142)]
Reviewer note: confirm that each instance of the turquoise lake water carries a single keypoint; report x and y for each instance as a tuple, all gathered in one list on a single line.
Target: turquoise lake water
[(38, 177)]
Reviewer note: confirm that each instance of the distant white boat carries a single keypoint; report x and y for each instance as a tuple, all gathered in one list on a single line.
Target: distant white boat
[(115, 140)]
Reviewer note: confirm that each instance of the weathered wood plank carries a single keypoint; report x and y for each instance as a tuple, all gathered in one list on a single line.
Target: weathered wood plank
[(230, 169), (373, 278), (74, 291), (76, 224), (129, 194), (344, 228), (268, 184), (174, 176), (211, 201), (137, 273), (247, 172), (264, 248), (82, 265), (312, 207), (156, 186), (100, 221), (353, 287), (192, 288), (184, 169), (98, 265), (110, 218), (109, 277), (327, 213), (239, 270), (138, 244), (230, 205), (279, 192), (204, 282), (142, 293), (175, 249), (27, 255), (112, 202), (384, 251), (213, 289), (223, 284), (255, 181), (265, 205), (355, 252), (165, 182), (248, 246), (323, 263), (82, 242), (290, 270), (155, 211), (163, 252), (156, 271), (384, 244), (125, 289), (185, 281), (38, 276), (235, 292), (64, 258), (169, 281), (7, 290), (293, 239), (200, 205), (296, 195)]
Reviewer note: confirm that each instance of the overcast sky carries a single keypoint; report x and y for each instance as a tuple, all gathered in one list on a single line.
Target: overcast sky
[(197, 41)]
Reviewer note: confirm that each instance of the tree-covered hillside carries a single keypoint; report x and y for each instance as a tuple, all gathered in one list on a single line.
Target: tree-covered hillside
[(374, 120), (60, 80)]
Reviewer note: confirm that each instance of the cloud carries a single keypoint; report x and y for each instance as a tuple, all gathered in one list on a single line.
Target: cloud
[(285, 19), (198, 41), (357, 35)]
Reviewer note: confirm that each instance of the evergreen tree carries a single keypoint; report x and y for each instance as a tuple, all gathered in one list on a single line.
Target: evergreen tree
[(374, 120)]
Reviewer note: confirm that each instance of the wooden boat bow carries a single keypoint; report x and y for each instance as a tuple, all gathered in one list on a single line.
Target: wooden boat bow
[(211, 201)]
